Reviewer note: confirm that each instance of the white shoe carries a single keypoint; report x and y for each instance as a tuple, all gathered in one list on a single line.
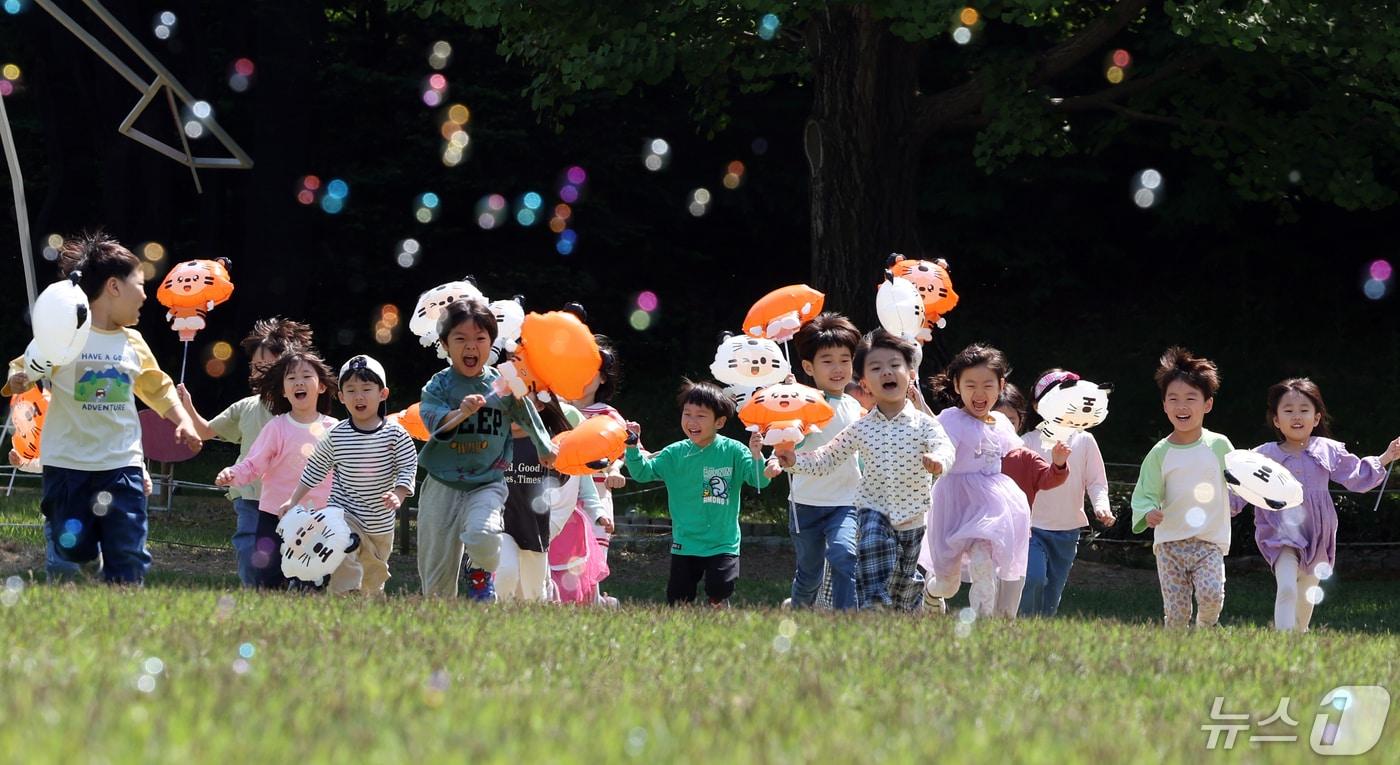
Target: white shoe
[(607, 601), (787, 604)]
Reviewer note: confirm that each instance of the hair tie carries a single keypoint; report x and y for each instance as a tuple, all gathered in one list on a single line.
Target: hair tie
[(1051, 380)]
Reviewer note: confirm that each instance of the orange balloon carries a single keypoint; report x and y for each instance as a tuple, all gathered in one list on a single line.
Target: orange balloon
[(27, 412), (787, 410), (592, 446), (933, 281), (191, 290), (559, 351), (779, 314), (412, 421)]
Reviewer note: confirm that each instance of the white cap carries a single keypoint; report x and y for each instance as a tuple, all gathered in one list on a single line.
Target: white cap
[(364, 362)]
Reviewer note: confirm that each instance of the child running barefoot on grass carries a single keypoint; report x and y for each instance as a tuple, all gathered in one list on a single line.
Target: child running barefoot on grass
[(703, 473), (296, 389), (978, 514), (901, 450), (1300, 543), (241, 423), (94, 499), (372, 464), (1180, 493)]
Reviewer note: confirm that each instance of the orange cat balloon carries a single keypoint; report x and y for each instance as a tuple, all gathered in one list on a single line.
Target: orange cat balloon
[(191, 290)]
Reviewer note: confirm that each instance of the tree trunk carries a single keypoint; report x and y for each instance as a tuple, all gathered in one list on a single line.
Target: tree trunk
[(863, 150)]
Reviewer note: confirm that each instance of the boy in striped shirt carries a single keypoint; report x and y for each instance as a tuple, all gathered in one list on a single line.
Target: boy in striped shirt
[(373, 465)]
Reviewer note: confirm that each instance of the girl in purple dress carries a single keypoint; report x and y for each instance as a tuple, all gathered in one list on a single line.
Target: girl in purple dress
[(1300, 543), (978, 514)]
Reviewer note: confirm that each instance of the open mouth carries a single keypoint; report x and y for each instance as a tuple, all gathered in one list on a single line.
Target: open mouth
[(784, 404), (299, 395), (889, 386), (470, 361)]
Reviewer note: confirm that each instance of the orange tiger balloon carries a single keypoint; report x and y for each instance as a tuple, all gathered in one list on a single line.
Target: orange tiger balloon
[(779, 314), (592, 446), (933, 281), (412, 421), (191, 290), (27, 412), (786, 412)]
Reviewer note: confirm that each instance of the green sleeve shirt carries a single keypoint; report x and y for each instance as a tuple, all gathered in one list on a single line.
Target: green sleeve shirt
[(702, 491)]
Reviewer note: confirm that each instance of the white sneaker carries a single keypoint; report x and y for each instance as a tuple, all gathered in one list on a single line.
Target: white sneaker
[(786, 605)]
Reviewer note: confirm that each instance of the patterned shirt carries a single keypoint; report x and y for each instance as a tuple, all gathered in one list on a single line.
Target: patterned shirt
[(366, 464), (893, 479)]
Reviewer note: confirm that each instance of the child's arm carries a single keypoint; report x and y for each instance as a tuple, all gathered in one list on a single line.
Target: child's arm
[(405, 473), (202, 427), (1147, 493), (1049, 475), (1363, 474), (593, 507), (157, 390), (1096, 482), (939, 451), (825, 459), (645, 468), (318, 466), (262, 455), (752, 466)]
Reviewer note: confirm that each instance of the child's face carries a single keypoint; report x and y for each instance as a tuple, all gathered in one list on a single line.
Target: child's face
[(1186, 406), (1011, 414), (886, 376), (979, 388), (302, 387), (468, 347), (362, 399), (124, 298), (700, 424), (1295, 417), (830, 369)]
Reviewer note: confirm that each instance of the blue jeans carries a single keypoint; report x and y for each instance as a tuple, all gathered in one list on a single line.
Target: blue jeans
[(823, 534), (244, 535), (57, 568), (81, 525), (1047, 567)]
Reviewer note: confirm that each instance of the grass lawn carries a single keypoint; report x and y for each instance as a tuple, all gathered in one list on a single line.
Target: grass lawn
[(190, 669)]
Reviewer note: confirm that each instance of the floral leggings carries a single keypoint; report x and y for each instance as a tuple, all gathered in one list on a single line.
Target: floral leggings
[(1186, 564)]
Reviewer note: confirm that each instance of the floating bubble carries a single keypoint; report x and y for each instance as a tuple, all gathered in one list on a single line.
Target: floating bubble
[(1314, 594), (215, 368), (14, 584), (410, 246), (968, 17), (1144, 198), (576, 175), (162, 32), (731, 181), (7, 88), (1203, 493), (1323, 571), (962, 35), (787, 627), (238, 83), (1149, 179), (636, 742), (338, 188), (153, 252), (167, 18), (1294, 176), (332, 205), (648, 301), (145, 683), (10, 72), (201, 109), (557, 224), (408, 253), (1380, 270), (967, 615), (782, 643), (1114, 74), (431, 98), (640, 320), (569, 193), (565, 245), (491, 211), (962, 630), (1121, 58), (1374, 289), (14, 7), (223, 607), (306, 197), (221, 351), (310, 182), (525, 217), (659, 146), (700, 195), (14, 587), (1196, 517), (653, 162), (194, 128), (241, 666), (440, 54), (768, 26), (153, 666)]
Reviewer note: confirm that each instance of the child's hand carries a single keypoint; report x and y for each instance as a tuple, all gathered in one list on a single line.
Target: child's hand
[(771, 468), (1106, 517), (392, 501), (1060, 453), (930, 464), (1154, 519), (785, 454), (18, 383), (184, 434), (634, 430), (472, 404), (547, 458), (615, 480), (185, 397), (281, 511), (224, 478), (1392, 452), (606, 523), (146, 484), (756, 445)]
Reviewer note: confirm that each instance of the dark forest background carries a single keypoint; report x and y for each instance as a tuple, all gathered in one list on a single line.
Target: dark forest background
[(1054, 262)]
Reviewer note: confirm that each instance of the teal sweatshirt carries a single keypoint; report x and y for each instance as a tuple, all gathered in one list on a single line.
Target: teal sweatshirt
[(702, 491), (478, 450)]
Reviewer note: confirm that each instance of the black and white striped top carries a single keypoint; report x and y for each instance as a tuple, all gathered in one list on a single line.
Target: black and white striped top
[(363, 466)]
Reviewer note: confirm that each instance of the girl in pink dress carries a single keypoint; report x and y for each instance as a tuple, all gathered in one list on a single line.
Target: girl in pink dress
[(978, 513), (1300, 543)]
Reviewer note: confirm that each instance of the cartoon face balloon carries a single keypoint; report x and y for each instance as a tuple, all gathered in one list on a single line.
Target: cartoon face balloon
[(27, 412), (1068, 405), (900, 309), (191, 290), (1260, 481), (933, 281), (314, 542), (423, 323), (62, 320), (592, 446), (749, 361), (778, 315), (786, 412), (510, 320)]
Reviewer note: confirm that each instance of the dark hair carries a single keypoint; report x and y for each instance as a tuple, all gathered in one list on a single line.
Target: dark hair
[(610, 371), (1305, 387), (708, 395), (276, 336), (945, 384), (552, 415), (269, 387), (1012, 398), (459, 312), (99, 257), (880, 338), (1177, 363), (827, 330)]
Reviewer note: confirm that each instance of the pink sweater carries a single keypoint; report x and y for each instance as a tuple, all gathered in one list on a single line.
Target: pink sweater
[(278, 456)]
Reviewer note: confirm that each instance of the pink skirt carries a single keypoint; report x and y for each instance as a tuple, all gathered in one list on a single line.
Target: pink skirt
[(577, 562), (975, 507)]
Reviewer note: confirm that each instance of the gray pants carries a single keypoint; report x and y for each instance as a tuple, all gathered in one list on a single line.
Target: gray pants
[(451, 521)]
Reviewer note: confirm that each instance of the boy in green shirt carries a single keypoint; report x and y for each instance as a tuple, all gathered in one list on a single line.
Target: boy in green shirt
[(703, 474)]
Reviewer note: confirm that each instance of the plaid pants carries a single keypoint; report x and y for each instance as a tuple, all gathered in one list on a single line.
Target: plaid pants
[(887, 564)]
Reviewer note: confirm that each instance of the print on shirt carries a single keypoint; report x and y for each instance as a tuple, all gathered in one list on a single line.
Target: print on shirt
[(487, 422), (101, 387), (716, 491)]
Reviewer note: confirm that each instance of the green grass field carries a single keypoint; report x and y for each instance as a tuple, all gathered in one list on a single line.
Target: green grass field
[(190, 669)]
